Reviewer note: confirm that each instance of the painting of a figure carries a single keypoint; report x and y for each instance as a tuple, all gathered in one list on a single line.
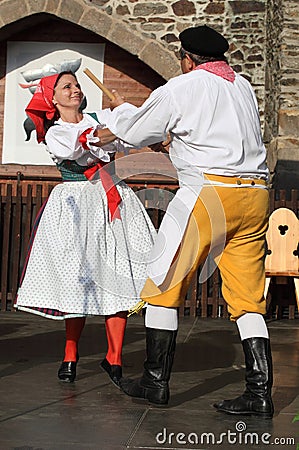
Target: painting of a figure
[(27, 63)]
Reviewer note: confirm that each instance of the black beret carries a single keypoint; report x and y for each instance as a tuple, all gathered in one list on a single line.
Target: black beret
[(203, 41)]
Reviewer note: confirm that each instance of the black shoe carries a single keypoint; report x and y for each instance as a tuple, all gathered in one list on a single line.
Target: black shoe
[(256, 400), (67, 371), (114, 371)]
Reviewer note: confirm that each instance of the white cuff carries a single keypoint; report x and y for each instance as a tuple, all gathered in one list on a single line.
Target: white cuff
[(161, 318), (252, 325)]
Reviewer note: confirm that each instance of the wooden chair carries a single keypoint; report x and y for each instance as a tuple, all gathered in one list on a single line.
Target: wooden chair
[(282, 258)]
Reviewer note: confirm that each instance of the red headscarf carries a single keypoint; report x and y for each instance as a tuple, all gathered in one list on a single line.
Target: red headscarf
[(41, 105)]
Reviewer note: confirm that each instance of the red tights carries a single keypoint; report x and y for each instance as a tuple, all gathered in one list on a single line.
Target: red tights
[(115, 331), (73, 330)]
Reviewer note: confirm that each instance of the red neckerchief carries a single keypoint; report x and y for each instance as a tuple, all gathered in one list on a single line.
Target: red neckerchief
[(83, 138), (219, 68)]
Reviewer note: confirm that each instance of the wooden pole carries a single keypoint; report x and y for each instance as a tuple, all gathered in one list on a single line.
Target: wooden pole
[(99, 84)]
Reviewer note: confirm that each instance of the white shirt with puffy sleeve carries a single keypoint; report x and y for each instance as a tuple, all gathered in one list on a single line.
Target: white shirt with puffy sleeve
[(62, 140), (214, 124)]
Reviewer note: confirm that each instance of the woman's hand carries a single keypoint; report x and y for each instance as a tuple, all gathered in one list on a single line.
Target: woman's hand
[(118, 100), (162, 147), (105, 136), (158, 147)]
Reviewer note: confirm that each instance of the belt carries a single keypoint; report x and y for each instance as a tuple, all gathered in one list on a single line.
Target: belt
[(234, 181)]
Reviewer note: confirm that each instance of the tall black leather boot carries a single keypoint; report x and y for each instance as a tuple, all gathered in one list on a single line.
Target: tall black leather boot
[(256, 400), (153, 385)]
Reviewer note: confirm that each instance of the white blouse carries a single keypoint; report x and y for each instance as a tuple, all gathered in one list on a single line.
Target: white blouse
[(62, 140)]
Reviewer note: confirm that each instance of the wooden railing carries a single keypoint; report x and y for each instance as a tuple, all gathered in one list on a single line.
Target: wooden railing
[(20, 201)]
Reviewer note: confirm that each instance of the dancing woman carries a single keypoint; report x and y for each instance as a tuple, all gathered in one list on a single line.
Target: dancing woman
[(93, 236)]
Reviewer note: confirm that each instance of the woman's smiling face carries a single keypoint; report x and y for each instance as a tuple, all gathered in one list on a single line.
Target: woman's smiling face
[(67, 92)]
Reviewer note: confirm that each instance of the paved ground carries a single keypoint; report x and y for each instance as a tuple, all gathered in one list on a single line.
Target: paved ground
[(39, 413)]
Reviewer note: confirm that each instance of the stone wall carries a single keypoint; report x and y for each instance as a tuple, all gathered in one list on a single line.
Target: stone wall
[(149, 29), (288, 112), (281, 90), (242, 22)]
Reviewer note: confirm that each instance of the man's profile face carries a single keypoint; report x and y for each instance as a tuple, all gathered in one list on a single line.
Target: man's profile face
[(187, 64), (182, 57)]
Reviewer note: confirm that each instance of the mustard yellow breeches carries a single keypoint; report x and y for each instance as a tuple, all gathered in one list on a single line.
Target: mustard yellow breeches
[(228, 225)]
